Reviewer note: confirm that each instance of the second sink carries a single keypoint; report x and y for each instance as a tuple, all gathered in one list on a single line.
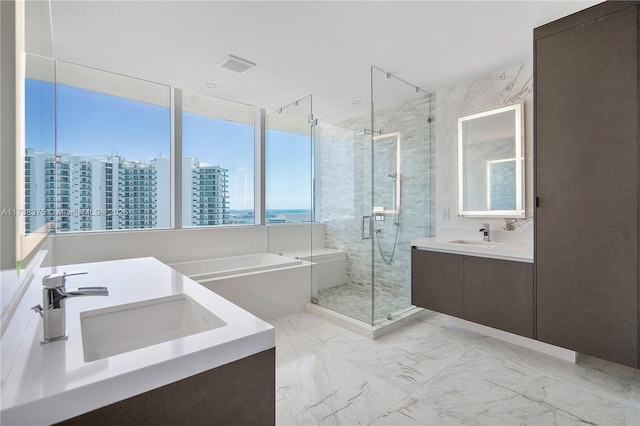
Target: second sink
[(471, 243)]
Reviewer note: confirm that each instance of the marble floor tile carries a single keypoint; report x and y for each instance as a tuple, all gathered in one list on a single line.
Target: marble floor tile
[(317, 387), (589, 373), (299, 332), (483, 389), (408, 357), (633, 415), (428, 374)]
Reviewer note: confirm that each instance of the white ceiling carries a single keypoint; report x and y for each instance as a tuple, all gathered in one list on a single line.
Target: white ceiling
[(300, 47)]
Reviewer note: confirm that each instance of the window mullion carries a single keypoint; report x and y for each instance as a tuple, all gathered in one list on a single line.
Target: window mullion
[(259, 173), (176, 158)]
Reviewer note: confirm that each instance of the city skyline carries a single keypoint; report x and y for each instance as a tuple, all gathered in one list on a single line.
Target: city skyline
[(82, 193)]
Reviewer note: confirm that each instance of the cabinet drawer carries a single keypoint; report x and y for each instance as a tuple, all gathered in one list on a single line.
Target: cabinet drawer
[(437, 281)]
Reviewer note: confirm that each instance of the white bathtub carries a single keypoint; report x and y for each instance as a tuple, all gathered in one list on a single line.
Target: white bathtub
[(200, 270), (267, 285), (329, 268)]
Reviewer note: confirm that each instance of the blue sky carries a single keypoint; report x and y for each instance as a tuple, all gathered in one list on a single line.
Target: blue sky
[(93, 123)]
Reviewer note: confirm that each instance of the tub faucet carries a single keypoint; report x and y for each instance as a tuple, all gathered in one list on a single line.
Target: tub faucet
[(54, 296), (486, 236)]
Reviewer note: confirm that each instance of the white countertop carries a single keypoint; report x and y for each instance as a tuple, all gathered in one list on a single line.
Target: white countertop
[(515, 251), (44, 384)]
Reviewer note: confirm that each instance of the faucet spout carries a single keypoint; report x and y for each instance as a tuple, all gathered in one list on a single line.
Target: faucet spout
[(86, 291)]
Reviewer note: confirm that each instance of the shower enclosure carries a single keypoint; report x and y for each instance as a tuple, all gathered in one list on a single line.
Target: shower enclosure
[(373, 193)]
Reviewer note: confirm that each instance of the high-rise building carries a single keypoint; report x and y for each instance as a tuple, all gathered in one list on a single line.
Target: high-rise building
[(210, 199), (162, 165), (137, 191), (81, 193), (58, 189), (39, 192), (207, 188)]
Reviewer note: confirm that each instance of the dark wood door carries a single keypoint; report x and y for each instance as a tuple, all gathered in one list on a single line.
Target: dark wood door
[(436, 281), (586, 82), (499, 294)]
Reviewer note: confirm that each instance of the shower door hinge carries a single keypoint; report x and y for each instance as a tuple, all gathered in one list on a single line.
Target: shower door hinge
[(313, 122), (314, 300)]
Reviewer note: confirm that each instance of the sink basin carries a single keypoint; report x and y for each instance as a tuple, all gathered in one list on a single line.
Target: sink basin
[(471, 243), (118, 329)]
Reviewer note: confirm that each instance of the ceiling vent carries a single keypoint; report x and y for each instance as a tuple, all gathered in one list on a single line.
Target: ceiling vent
[(237, 65)]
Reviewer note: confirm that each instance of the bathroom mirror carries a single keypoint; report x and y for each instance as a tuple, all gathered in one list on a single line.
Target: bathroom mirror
[(491, 163)]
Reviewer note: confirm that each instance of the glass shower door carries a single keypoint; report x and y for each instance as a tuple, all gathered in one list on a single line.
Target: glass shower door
[(289, 209), (401, 181), (344, 203), (373, 191)]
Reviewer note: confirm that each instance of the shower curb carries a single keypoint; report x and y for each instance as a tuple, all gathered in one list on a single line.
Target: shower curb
[(367, 330)]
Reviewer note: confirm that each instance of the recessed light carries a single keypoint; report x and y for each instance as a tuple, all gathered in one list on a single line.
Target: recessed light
[(356, 102), (211, 86)]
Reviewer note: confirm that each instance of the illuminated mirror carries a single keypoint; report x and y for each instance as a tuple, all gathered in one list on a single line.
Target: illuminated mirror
[(491, 163)]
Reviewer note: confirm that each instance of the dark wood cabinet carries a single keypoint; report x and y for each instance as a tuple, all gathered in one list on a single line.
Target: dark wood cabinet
[(242, 392), (499, 294), (586, 181), (492, 292), (436, 282)]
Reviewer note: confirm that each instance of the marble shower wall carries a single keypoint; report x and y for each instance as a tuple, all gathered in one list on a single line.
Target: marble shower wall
[(344, 188), (504, 87)]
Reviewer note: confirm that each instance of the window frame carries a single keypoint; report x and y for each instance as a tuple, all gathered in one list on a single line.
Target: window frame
[(175, 164)]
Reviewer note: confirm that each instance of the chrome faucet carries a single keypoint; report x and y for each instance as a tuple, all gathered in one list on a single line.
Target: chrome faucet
[(54, 296), (486, 236)]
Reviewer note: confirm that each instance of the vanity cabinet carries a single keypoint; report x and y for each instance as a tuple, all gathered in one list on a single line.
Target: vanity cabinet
[(239, 393), (586, 181), (492, 292), (436, 282), (499, 294)]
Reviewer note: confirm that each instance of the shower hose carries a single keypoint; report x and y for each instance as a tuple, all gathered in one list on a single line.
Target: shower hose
[(395, 242)]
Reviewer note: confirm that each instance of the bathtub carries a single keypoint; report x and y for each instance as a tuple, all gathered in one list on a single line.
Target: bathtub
[(201, 270), (267, 285), (329, 268)]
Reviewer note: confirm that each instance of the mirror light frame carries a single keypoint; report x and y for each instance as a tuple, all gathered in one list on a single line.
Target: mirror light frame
[(519, 211), (398, 136)]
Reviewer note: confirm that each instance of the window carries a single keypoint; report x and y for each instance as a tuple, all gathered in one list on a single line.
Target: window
[(112, 166), (217, 161), (39, 141), (288, 168), (98, 155)]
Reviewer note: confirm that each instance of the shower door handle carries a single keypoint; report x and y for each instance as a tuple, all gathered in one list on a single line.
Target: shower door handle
[(365, 235)]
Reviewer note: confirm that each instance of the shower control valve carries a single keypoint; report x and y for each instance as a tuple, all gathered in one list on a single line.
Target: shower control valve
[(377, 213)]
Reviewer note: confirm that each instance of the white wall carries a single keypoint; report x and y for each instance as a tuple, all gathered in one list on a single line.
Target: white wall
[(296, 239), (8, 231), (178, 245), (500, 88), (167, 245)]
